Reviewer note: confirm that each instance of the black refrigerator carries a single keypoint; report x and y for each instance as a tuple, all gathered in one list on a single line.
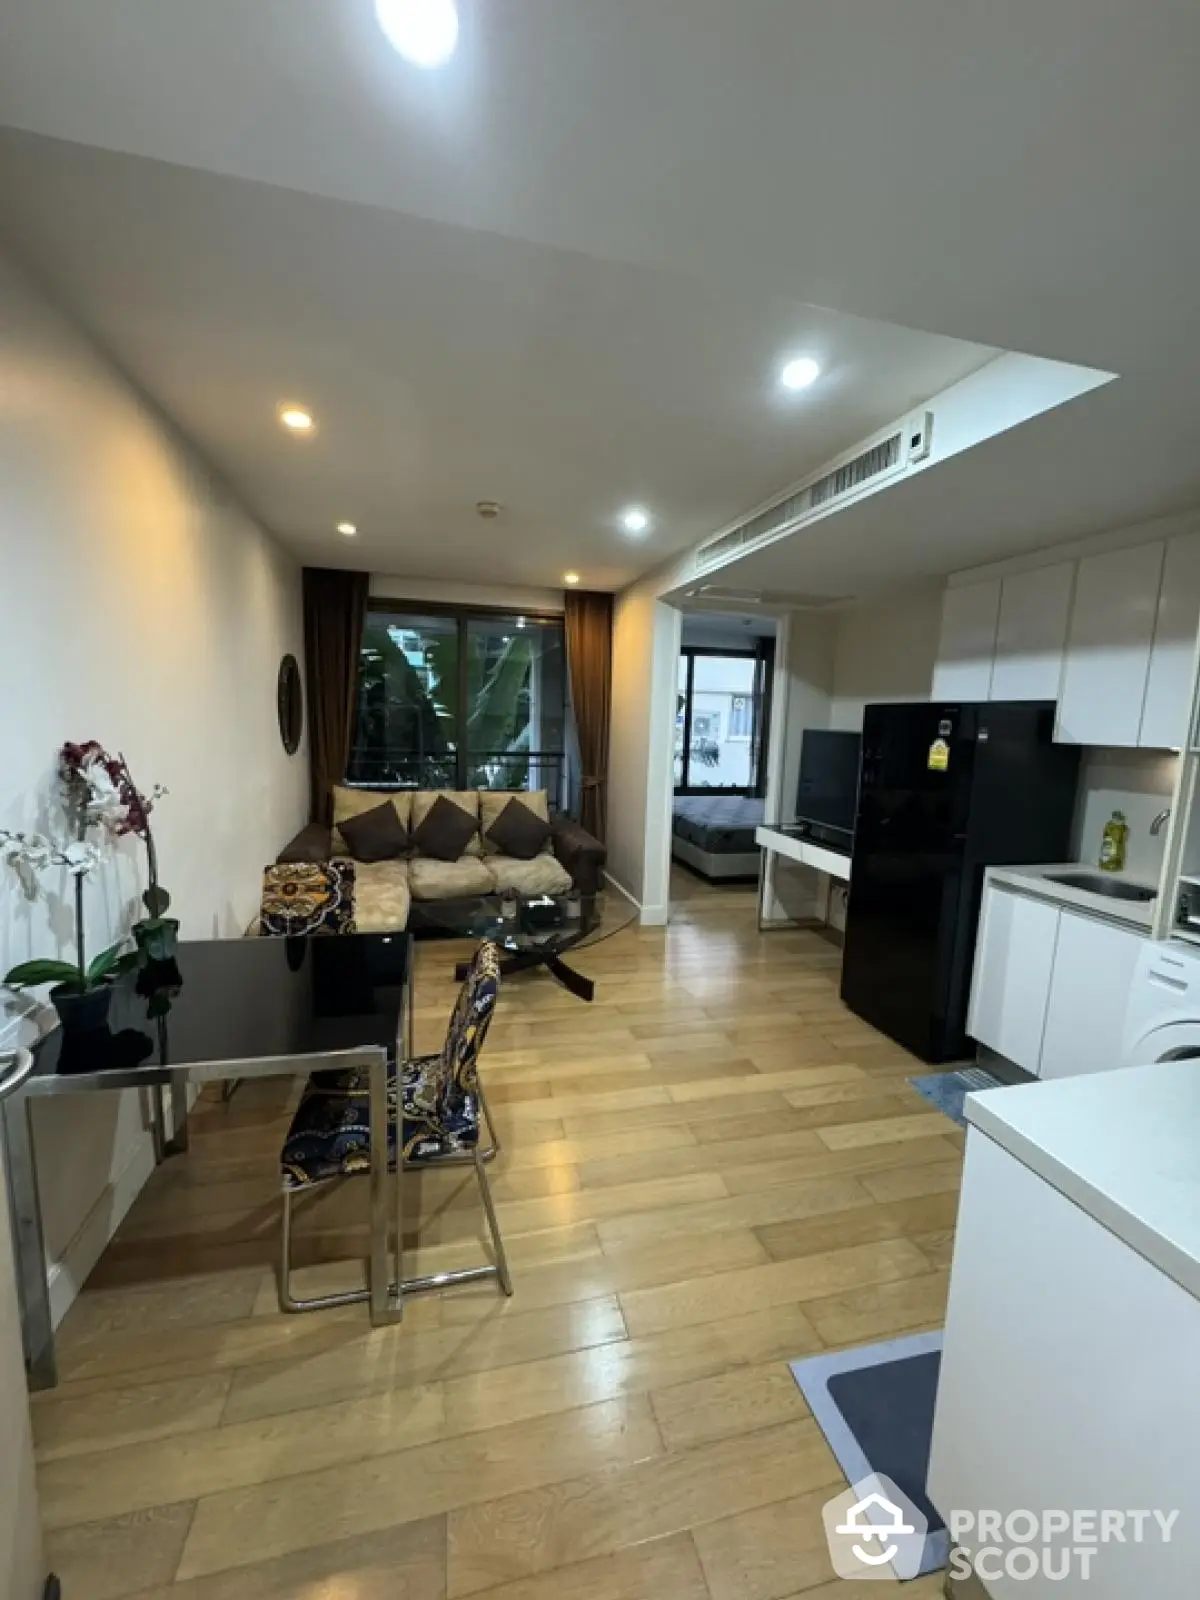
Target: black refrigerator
[(944, 791)]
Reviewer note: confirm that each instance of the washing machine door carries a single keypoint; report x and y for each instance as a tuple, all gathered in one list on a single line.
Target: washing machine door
[(1165, 994), (1175, 1041)]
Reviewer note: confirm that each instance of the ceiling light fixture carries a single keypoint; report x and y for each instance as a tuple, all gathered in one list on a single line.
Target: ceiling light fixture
[(635, 520), (424, 32), (297, 419), (799, 373), (571, 577), (348, 529)]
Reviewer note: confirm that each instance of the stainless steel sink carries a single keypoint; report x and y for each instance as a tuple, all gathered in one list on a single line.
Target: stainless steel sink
[(1097, 883)]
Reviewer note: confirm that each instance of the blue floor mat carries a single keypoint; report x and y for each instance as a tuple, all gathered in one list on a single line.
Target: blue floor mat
[(875, 1407), (946, 1091)]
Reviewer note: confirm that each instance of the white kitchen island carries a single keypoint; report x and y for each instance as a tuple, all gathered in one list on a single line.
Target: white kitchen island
[(1071, 1373)]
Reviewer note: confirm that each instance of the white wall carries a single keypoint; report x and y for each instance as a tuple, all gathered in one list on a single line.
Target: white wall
[(885, 649), (139, 605), (641, 747)]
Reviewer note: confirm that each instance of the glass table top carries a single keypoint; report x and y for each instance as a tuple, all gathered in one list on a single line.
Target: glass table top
[(533, 922), (239, 1000)]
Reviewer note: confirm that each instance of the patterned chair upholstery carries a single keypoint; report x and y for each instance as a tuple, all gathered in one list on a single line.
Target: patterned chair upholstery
[(441, 1107), (304, 898), (330, 1134)]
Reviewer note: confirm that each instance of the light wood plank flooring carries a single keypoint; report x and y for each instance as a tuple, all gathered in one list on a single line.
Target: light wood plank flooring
[(714, 1168)]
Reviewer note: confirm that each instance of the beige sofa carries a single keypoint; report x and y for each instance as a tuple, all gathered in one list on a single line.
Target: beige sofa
[(389, 895)]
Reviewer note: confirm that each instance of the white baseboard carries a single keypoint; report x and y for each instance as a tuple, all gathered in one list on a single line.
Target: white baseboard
[(615, 883), (648, 916), (69, 1273)]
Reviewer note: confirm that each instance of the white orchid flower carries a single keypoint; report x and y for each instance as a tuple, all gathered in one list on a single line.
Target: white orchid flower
[(105, 806), (80, 859)]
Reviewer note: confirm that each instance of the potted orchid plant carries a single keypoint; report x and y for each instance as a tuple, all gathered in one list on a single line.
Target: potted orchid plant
[(102, 804)]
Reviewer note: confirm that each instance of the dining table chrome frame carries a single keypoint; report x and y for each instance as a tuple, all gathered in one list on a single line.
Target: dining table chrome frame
[(37, 1321)]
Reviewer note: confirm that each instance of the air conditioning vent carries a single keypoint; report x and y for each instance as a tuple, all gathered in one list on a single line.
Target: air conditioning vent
[(880, 458), (855, 473)]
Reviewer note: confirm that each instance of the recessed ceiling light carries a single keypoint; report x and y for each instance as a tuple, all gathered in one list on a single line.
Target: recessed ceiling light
[(799, 373), (570, 577), (348, 529), (635, 519), (425, 32), (297, 419)]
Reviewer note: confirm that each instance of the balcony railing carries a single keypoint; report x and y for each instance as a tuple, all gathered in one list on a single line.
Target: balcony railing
[(498, 769)]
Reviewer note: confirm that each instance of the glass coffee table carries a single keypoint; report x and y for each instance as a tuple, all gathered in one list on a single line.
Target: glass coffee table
[(534, 930)]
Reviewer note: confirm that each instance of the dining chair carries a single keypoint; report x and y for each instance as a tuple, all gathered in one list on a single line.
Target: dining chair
[(437, 1107)]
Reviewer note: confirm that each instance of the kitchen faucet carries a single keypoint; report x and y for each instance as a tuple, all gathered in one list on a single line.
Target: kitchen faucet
[(1156, 827)]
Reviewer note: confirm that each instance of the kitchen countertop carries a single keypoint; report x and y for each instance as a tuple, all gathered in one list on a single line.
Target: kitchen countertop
[(1123, 1146), (1034, 880)]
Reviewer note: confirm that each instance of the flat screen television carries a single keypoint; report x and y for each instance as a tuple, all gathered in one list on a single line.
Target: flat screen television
[(827, 796)]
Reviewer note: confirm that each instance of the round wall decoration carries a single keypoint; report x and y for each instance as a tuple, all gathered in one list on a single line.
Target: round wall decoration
[(290, 704)]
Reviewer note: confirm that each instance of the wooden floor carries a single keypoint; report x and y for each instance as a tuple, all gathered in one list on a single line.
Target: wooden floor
[(714, 1168)]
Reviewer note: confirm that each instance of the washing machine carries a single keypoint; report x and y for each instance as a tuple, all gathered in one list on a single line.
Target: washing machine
[(1163, 1019)]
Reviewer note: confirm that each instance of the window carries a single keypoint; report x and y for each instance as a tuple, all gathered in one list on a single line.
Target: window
[(721, 719), (457, 699)]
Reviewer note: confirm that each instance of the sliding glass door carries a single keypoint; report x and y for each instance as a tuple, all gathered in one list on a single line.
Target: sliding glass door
[(460, 699), (721, 720)]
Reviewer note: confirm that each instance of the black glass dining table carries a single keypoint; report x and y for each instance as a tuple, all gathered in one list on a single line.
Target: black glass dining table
[(224, 1009)]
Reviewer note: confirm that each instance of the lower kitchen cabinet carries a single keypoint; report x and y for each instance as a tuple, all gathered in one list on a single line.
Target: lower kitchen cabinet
[(1050, 985), (1094, 964), (1014, 955)]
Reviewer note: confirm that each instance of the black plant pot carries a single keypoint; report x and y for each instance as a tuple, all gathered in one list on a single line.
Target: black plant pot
[(81, 1011)]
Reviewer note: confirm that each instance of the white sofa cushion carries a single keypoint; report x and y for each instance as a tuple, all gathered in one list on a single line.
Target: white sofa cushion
[(545, 874), (448, 880)]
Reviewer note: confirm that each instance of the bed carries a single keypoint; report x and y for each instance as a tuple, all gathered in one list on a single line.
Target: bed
[(714, 834)]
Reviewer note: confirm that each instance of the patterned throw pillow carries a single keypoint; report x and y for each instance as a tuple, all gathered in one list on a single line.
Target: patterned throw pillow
[(299, 900)]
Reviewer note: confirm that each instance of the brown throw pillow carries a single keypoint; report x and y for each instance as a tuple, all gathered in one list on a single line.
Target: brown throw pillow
[(519, 832), (446, 831), (376, 835)]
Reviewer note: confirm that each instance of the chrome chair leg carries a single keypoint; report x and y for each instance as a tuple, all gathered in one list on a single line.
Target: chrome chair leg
[(494, 1147), (287, 1300), (489, 1209)]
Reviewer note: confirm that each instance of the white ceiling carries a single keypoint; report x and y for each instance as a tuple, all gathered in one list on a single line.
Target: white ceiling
[(447, 366), (664, 185)]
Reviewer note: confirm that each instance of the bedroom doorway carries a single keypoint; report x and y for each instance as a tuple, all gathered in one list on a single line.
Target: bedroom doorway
[(724, 691)]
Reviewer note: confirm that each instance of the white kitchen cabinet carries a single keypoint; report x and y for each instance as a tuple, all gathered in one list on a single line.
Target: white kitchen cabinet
[(1014, 959), (1108, 647), (1047, 1304), (967, 643), (1094, 964), (1031, 635), (1169, 685)]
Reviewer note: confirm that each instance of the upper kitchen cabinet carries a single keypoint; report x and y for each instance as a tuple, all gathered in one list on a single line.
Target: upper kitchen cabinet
[(1109, 646), (967, 644), (1169, 685), (1032, 633)]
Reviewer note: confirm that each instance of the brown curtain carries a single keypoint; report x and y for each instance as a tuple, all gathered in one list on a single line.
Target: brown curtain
[(589, 620), (335, 604)]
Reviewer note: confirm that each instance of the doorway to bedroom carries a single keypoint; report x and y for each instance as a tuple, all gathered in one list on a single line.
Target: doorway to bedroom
[(722, 737)]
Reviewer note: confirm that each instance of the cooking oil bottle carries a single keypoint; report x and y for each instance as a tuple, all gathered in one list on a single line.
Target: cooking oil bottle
[(1113, 843)]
